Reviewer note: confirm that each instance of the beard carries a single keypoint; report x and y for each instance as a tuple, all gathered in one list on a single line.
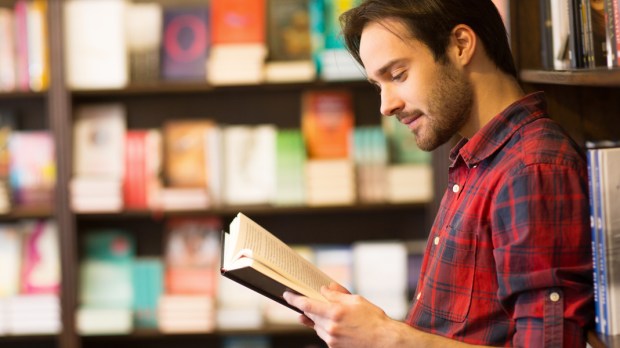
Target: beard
[(450, 102)]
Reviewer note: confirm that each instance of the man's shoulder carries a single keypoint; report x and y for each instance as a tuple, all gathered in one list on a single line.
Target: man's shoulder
[(544, 141)]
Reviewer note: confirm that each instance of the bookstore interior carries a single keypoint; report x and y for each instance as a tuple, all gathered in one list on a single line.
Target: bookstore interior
[(133, 132)]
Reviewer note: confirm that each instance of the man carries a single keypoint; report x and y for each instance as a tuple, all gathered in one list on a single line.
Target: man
[(508, 262)]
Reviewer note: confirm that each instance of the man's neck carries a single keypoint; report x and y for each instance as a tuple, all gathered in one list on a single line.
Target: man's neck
[(494, 91)]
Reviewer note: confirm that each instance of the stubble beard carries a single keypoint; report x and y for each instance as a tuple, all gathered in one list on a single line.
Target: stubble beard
[(449, 106)]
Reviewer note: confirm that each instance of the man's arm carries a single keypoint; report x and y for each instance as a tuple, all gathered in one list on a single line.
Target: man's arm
[(351, 321)]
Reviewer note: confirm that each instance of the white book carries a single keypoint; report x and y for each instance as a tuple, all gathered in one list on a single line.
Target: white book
[(338, 65), (104, 321), (382, 283), (290, 71), (230, 64), (249, 164), (10, 260), (95, 48), (609, 167), (99, 141), (7, 51), (409, 183), (560, 34), (38, 68)]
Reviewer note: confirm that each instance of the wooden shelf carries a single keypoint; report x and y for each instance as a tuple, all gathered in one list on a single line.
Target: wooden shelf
[(164, 87), (584, 77), (255, 210), (17, 213), (21, 95)]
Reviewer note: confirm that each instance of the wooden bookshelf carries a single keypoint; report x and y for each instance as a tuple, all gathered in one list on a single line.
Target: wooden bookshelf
[(601, 77)]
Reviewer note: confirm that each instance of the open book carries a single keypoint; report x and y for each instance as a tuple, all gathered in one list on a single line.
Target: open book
[(255, 258)]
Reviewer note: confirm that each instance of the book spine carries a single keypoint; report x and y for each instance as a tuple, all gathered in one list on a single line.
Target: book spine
[(602, 266), (610, 34), (575, 41), (591, 153), (616, 15)]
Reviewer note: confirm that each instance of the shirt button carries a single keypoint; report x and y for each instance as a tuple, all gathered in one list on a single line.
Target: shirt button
[(554, 297), (455, 188), (436, 241), (417, 298)]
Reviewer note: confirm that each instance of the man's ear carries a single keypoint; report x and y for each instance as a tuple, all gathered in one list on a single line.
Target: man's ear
[(463, 43)]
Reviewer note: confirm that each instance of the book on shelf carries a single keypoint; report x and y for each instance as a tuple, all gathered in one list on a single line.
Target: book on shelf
[(7, 127), (95, 44), (186, 153), (7, 50), (144, 37), (288, 39), (257, 259), (32, 172), (191, 256), (612, 32), (185, 43), (147, 275), (249, 164), (41, 253), (605, 202), (105, 283), (10, 260), (327, 120), (238, 21)]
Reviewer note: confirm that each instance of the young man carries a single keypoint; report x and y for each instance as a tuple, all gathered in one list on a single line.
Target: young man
[(508, 262)]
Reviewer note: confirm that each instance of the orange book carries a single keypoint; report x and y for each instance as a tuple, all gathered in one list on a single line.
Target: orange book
[(238, 21), (327, 123), (185, 152)]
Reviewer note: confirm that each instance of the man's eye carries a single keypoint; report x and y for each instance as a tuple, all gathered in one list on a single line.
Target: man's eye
[(398, 77)]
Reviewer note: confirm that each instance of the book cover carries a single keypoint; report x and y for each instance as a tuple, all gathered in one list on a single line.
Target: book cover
[(148, 286), (249, 164), (610, 34), (593, 201), (185, 43), (10, 260), (185, 152), (597, 33), (238, 21), (609, 166), (256, 259), (144, 37), (95, 47), (289, 30), (32, 168), (191, 256), (327, 120), (105, 271), (99, 138), (8, 66), (41, 263)]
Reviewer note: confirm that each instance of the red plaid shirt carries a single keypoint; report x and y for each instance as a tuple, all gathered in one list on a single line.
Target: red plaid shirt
[(508, 261)]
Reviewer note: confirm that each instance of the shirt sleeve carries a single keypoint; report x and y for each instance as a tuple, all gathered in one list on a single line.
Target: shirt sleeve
[(542, 249)]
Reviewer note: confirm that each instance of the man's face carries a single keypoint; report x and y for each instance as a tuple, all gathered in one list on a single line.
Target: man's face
[(432, 99)]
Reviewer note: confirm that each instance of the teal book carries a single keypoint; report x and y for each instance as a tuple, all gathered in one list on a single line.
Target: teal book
[(148, 285), (106, 270)]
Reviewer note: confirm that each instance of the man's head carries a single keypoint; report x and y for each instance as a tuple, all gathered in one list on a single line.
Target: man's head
[(431, 22), (422, 57)]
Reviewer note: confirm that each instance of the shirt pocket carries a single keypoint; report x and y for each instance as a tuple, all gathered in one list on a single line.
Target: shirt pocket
[(448, 287)]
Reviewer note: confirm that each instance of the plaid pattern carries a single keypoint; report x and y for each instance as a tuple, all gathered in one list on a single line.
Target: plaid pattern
[(508, 260)]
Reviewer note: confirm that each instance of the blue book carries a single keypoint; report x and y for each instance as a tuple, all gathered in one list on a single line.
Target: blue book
[(602, 258), (185, 43), (591, 154)]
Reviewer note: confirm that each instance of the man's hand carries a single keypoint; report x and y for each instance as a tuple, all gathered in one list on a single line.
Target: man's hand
[(346, 321)]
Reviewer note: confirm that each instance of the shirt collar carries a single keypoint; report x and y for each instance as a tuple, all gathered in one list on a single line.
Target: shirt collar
[(501, 127)]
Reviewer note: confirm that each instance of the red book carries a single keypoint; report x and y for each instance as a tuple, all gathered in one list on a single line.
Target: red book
[(135, 180), (238, 21), (327, 123)]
